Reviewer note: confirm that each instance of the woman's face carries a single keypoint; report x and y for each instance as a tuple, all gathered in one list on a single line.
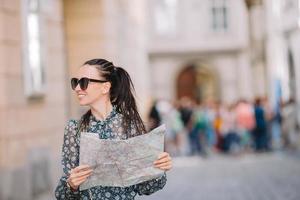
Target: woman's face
[(95, 91)]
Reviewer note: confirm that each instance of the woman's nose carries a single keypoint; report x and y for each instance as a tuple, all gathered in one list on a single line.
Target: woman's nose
[(77, 88)]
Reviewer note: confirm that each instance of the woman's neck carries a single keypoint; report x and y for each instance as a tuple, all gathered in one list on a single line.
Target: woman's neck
[(101, 110)]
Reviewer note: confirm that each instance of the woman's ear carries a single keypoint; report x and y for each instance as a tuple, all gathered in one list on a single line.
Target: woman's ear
[(106, 87)]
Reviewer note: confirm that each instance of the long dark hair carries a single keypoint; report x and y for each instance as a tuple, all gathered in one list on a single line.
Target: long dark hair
[(121, 95)]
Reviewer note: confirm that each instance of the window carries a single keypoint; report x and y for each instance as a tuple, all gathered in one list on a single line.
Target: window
[(219, 15), (165, 12), (32, 50)]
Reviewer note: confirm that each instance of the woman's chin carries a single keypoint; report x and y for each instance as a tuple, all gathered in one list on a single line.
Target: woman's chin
[(83, 103)]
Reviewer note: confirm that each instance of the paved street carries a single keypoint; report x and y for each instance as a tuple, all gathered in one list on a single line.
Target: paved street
[(272, 176)]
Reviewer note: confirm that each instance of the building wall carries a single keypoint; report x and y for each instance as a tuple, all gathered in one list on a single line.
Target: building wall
[(282, 32), (31, 129), (290, 28), (257, 33), (109, 29), (85, 37), (294, 44), (193, 40), (193, 32), (127, 30), (231, 70)]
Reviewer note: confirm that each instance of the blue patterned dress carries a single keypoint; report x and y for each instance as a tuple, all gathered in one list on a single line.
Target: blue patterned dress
[(110, 128)]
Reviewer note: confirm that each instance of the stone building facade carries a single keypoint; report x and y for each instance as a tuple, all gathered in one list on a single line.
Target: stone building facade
[(33, 95), (213, 37)]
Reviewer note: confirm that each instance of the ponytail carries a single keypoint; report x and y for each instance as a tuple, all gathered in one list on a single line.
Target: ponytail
[(122, 96)]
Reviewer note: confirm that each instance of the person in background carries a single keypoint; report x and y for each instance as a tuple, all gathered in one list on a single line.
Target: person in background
[(198, 136), (218, 123), (231, 138), (186, 109), (269, 117), (260, 130), (171, 118), (245, 123), (210, 114), (154, 117)]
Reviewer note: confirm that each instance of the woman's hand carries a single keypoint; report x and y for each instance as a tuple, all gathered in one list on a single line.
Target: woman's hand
[(164, 162), (78, 175)]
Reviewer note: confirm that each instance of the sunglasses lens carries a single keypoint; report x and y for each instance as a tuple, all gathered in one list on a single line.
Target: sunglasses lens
[(84, 82), (74, 83)]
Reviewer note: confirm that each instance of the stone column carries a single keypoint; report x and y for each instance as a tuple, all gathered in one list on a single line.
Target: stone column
[(244, 75)]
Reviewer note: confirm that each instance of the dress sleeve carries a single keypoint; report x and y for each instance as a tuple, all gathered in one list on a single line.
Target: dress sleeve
[(70, 159), (151, 186)]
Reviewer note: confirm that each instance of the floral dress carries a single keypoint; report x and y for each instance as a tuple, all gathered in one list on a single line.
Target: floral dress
[(110, 128)]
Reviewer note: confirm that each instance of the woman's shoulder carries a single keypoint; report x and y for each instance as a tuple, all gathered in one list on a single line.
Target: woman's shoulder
[(71, 125), (71, 135), (72, 122)]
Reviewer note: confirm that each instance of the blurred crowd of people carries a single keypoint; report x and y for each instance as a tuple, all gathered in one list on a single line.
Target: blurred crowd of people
[(198, 129)]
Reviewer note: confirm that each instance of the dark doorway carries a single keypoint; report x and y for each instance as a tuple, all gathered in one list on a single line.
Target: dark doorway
[(186, 83), (197, 82)]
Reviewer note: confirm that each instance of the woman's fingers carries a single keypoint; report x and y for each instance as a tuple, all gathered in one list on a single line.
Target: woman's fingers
[(75, 182), (163, 155), (166, 168), (163, 164), (81, 173), (163, 160), (78, 175), (81, 168), (80, 182)]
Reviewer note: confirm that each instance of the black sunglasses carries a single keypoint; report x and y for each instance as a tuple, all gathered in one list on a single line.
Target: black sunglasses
[(83, 82)]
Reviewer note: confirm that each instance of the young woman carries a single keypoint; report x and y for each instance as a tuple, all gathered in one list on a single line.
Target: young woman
[(107, 90)]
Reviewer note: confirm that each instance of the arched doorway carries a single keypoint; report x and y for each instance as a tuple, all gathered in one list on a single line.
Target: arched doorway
[(187, 83), (197, 82)]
